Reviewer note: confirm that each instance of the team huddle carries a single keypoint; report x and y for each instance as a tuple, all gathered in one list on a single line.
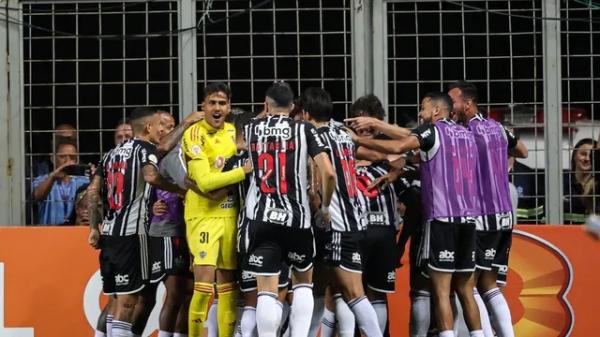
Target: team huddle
[(291, 223)]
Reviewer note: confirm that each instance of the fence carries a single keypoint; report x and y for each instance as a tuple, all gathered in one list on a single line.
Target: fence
[(88, 63)]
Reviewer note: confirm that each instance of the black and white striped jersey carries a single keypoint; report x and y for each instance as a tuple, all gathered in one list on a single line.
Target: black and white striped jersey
[(236, 161), (126, 195), (346, 209), (381, 204), (279, 148)]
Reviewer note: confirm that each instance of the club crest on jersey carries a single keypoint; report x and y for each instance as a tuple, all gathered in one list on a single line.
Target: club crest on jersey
[(281, 130), (219, 162), (196, 149), (276, 215), (202, 254)]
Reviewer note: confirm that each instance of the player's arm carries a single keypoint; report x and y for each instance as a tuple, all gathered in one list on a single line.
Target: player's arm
[(153, 177), (94, 192), (391, 130), (171, 139), (390, 146), (327, 177), (207, 181), (516, 147)]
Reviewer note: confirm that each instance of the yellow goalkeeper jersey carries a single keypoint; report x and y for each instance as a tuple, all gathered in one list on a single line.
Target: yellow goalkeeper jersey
[(206, 149)]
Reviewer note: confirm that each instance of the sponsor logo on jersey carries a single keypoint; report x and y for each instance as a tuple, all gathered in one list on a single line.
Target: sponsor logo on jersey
[(446, 256), (503, 270), (156, 267), (356, 257), (490, 254), (219, 162), (377, 218), (255, 260), (391, 277), (281, 130), (276, 215), (293, 256), (121, 280)]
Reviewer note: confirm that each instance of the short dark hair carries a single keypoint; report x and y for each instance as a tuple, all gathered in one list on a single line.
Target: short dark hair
[(63, 141), (317, 102), (440, 98), (467, 90), (213, 88), (281, 93), (369, 104), (240, 118), (139, 115)]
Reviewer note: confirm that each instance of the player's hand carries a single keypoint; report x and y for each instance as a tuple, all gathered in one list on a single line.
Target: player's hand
[(194, 117), (58, 172), (159, 207), (362, 123), (396, 161), (247, 166), (94, 238), (384, 181)]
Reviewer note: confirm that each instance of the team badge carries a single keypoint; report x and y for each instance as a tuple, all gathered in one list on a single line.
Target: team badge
[(202, 254), (152, 158), (196, 149)]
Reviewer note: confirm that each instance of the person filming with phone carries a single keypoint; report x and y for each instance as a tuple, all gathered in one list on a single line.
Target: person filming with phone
[(55, 192)]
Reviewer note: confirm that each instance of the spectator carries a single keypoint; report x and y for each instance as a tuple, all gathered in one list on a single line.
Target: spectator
[(123, 132), (62, 132), (55, 192), (575, 181)]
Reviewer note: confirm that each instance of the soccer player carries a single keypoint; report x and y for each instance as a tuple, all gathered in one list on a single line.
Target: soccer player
[(379, 246), (211, 219), (278, 209), (347, 221), (494, 235), (451, 204), (125, 177)]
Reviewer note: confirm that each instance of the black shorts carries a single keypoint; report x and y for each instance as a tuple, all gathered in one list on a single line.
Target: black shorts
[(344, 250), (272, 244), (449, 247), (322, 238), (168, 256), (380, 258), (243, 237), (124, 266), (502, 256), (247, 280)]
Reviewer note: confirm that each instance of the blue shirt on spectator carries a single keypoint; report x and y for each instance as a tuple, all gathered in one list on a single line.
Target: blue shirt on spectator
[(59, 203)]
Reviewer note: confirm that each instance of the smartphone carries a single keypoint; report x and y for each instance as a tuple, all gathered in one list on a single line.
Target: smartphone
[(77, 170)]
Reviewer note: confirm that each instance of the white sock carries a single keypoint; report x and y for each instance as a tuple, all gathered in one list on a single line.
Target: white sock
[(164, 333), (285, 313), (109, 320), (380, 307), (99, 333), (268, 314), (327, 323), (344, 317), (211, 324), (121, 329), (476, 333), (419, 313), (248, 322), (179, 334), (497, 306), (365, 316), (238, 318), (302, 308), (317, 315), (447, 333), (486, 326)]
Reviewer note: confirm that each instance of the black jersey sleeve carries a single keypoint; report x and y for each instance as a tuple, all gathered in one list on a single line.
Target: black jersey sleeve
[(313, 140), (426, 135), (235, 161), (147, 155), (511, 137)]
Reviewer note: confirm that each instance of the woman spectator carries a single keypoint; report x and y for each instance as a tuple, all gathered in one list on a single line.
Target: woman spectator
[(577, 181)]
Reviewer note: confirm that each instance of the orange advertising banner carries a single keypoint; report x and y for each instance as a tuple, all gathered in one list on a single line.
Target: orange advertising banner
[(50, 285)]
